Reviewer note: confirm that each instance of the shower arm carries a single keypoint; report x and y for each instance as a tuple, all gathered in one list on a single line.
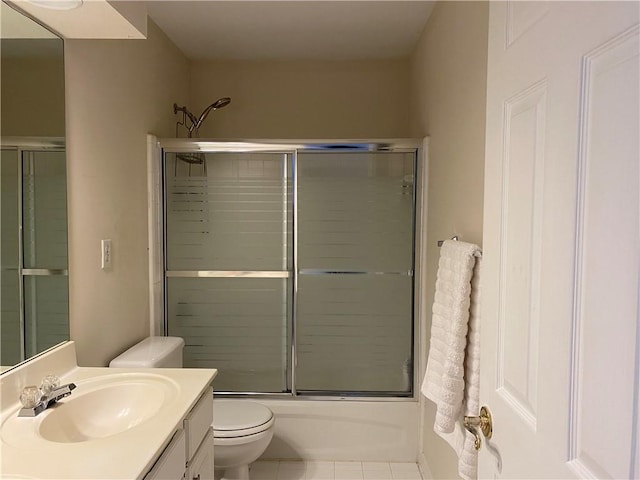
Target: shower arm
[(204, 115), (186, 114)]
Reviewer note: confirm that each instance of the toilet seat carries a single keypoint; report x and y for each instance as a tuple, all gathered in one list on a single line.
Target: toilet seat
[(233, 418)]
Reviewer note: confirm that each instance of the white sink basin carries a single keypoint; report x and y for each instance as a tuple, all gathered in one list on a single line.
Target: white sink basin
[(107, 410), (100, 408), (114, 425)]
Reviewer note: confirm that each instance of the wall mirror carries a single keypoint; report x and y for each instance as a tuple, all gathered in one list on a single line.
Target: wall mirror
[(33, 204)]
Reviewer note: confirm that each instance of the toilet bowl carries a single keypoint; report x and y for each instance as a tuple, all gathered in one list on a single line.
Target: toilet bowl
[(241, 433), (242, 430)]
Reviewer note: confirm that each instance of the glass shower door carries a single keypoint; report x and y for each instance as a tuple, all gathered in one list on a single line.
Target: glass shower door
[(34, 296), (10, 336), (44, 252), (228, 265), (354, 308), (292, 272)]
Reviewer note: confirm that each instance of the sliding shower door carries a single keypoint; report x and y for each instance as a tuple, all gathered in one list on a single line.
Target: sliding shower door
[(291, 272), (354, 308), (44, 255), (228, 265), (35, 292), (12, 346)]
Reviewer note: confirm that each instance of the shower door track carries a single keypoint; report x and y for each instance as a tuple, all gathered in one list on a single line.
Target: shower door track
[(292, 148)]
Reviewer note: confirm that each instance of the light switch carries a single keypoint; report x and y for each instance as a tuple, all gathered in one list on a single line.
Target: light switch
[(106, 253)]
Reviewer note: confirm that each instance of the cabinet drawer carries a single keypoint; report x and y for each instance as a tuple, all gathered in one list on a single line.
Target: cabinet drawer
[(198, 422), (170, 465), (201, 467)]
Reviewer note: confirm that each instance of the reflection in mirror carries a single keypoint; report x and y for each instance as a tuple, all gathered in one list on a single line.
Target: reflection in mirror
[(4, 369), (33, 247), (32, 78)]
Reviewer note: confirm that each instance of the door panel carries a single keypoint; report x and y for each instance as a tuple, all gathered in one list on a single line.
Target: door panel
[(607, 261), (522, 174), (561, 245)]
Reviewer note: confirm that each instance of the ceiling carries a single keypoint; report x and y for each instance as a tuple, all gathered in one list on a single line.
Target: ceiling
[(21, 37), (97, 19), (288, 30), (15, 25)]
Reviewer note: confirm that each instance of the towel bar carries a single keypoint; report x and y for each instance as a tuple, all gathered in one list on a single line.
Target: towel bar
[(440, 242)]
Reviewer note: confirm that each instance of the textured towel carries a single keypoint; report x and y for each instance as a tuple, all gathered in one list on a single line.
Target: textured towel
[(453, 367), (467, 454)]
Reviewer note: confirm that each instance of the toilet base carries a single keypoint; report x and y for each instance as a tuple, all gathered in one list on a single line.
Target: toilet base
[(235, 473), (233, 455)]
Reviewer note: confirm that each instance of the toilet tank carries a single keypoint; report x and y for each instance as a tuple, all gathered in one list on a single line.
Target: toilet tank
[(158, 352)]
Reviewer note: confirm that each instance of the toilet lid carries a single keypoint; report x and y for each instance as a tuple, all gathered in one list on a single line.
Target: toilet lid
[(236, 418)]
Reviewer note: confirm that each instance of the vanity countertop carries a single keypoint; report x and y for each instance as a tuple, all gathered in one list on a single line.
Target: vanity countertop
[(128, 454)]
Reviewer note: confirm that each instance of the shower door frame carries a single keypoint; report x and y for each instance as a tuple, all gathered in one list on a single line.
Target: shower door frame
[(289, 148), (21, 145)]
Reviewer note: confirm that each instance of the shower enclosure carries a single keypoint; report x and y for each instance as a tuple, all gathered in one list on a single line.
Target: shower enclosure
[(289, 266), (34, 286)]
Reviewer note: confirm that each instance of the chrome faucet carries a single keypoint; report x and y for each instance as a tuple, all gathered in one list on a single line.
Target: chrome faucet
[(36, 400)]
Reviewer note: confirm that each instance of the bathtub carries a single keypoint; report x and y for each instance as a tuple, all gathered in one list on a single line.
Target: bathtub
[(344, 430)]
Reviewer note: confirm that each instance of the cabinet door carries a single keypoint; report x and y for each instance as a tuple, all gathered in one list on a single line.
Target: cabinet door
[(170, 465), (201, 467), (197, 422)]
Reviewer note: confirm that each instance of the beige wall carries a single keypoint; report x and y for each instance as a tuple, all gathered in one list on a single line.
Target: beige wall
[(117, 92), (448, 86), (303, 99)]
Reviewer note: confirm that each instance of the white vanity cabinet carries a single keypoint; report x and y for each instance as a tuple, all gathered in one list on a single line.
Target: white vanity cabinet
[(171, 463), (199, 439), (189, 455), (201, 466)]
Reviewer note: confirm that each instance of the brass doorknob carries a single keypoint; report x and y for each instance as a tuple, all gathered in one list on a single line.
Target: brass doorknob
[(484, 422)]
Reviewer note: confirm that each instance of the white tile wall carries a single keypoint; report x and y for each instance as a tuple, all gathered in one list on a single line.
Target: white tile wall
[(317, 470)]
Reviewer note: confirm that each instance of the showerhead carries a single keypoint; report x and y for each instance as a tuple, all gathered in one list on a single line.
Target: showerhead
[(221, 102), (217, 105)]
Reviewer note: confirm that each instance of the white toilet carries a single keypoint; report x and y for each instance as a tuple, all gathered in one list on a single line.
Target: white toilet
[(241, 433), (156, 352), (242, 430)]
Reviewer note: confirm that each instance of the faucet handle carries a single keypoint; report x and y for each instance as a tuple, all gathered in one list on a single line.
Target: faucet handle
[(49, 384), (30, 396)]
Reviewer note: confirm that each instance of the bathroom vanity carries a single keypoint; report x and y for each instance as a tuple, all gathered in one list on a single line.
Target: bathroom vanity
[(191, 446), (118, 423)]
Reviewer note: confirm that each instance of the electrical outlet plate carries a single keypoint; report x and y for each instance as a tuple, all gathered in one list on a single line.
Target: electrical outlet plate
[(106, 253)]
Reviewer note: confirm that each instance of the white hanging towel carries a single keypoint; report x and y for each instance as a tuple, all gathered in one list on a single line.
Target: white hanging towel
[(453, 367)]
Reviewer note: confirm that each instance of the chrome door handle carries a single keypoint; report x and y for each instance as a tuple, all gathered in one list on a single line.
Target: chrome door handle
[(484, 422)]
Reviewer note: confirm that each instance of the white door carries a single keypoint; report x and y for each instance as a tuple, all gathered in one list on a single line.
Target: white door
[(560, 348)]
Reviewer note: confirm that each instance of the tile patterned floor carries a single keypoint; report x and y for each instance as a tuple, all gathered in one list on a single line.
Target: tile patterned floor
[(314, 470)]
